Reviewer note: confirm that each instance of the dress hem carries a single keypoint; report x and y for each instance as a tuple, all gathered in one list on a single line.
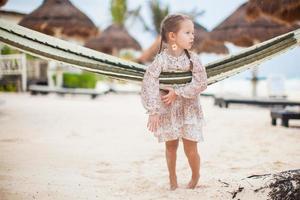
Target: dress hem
[(180, 139)]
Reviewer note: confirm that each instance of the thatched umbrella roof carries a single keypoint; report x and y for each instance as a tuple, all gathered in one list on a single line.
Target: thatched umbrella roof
[(241, 32), (286, 11), (150, 53), (113, 39), (199, 45), (62, 19), (3, 2)]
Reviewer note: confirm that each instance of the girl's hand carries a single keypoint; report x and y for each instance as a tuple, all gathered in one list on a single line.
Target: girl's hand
[(153, 122), (170, 97)]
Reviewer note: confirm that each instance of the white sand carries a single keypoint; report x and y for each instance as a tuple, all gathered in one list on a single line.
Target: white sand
[(54, 147)]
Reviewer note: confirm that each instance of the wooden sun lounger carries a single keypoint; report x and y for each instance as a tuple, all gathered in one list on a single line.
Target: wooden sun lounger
[(36, 89), (207, 94), (225, 101), (284, 115)]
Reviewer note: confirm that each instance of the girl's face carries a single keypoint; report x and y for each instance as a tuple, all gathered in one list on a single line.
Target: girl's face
[(184, 38)]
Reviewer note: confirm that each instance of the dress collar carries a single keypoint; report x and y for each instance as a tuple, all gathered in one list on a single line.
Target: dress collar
[(174, 58)]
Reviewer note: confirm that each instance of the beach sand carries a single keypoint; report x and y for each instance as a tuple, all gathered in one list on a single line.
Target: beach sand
[(72, 147)]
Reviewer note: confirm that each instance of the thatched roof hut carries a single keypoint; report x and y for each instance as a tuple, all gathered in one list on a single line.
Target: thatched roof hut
[(284, 11), (3, 2), (199, 45), (113, 39), (62, 19), (149, 54), (241, 32)]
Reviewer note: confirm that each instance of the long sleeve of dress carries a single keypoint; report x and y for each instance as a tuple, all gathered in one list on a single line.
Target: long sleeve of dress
[(198, 83), (150, 87)]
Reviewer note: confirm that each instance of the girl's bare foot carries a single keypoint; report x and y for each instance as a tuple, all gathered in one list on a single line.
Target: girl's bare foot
[(173, 182), (193, 182)]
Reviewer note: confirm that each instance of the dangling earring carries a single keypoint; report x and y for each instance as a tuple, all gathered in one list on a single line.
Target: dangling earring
[(174, 47)]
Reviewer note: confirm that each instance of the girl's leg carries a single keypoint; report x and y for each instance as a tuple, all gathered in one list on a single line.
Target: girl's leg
[(191, 151), (171, 150)]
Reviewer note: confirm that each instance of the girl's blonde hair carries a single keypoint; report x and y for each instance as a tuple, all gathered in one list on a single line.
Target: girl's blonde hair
[(171, 23)]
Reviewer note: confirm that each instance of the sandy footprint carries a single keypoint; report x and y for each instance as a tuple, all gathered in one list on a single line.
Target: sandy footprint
[(156, 156), (279, 163), (104, 163), (11, 140), (106, 167), (235, 168), (138, 162)]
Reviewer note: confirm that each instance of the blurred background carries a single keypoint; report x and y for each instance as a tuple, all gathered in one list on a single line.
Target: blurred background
[(120, 27)]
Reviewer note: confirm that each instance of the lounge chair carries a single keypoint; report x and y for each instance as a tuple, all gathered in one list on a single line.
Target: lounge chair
[(284, 115), (225, 101)]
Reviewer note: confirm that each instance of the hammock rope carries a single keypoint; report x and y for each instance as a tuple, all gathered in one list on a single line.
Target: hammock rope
[(51, 48)]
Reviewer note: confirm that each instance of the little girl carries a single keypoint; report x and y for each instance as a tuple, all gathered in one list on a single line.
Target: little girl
[(176, 114)]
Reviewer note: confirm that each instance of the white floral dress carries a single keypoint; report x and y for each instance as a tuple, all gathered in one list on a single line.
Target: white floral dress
[(184, 117)]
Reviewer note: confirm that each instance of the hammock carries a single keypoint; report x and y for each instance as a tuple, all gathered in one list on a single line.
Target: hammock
[(51, 48)]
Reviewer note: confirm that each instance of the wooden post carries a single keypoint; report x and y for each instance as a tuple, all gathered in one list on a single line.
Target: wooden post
[(50, 72), (24, 72), (59, 76), (254, 82)]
